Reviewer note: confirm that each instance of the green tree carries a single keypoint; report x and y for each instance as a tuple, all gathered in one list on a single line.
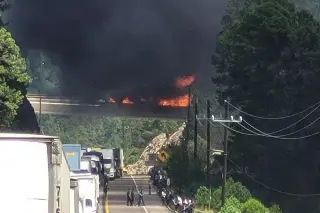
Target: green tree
[(14, 78), (254, 206), (267, 64)]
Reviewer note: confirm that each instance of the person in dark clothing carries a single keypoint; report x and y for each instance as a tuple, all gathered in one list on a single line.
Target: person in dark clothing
[(129, 202), (132, 197), (141, 201), (150, 186)]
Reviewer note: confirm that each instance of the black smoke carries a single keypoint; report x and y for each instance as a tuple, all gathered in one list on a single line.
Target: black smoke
[(124, 47)]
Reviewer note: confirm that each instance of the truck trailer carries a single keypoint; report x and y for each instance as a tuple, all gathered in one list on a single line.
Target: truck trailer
[(73, 155), (118, 161), (37, 175)]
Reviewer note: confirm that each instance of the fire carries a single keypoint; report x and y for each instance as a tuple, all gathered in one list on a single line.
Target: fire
[(185, 81), (182, 101), (127, 101)]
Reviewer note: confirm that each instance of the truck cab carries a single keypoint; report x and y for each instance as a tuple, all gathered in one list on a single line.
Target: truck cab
[(97, 157), (109, 168)]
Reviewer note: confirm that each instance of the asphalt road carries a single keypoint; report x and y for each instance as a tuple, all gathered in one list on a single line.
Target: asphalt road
[(116, 198)]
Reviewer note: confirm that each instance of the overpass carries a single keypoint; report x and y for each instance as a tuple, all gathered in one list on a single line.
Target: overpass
[(65, 106)]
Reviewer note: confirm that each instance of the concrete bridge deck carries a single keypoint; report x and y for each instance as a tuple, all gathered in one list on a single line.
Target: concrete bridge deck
[(63, 106)]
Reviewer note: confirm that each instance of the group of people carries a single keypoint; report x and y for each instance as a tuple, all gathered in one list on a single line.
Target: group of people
[(178, 203), (131, 198), (170, 198)]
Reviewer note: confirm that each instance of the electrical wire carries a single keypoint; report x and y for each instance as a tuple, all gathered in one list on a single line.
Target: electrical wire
[(273, 118), (279, 136), (199, 121), (293, 124), (271, 188), (294, 138)]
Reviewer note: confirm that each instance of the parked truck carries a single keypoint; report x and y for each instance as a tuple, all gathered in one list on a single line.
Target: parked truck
[(36, 174), (118, 161), (73, 155), (74, 196), (108, 163), (98, 158), (88, 190)]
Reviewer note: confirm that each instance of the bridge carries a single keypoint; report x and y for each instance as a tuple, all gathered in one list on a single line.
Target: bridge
[(64, 106)]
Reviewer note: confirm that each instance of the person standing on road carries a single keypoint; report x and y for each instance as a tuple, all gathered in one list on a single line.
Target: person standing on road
[(150, 186), (163, 197), (129, 202), (141, 201), (132, 197)]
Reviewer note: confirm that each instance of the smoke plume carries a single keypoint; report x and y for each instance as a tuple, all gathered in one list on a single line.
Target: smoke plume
[(126, 48)]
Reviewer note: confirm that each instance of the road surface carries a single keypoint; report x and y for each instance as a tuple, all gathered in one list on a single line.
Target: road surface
[(116, 198)]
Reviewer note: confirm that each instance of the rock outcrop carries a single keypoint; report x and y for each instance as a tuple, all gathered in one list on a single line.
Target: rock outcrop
[(159, 143)]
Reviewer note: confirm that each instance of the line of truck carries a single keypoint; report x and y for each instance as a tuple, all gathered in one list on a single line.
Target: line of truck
[(45, 176), (110, 162)]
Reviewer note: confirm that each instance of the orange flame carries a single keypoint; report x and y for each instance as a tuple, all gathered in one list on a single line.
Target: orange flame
[(182, 101), (185, 81), (127, 101)]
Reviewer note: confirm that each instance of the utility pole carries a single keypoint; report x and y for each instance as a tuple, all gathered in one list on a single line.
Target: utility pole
[(188, 122), (40, 96), (195, 139), (40, 111), (208, 138), (225, 146), (225, 154)]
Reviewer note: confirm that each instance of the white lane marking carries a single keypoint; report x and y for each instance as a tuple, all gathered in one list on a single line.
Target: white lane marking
[(134, 181)]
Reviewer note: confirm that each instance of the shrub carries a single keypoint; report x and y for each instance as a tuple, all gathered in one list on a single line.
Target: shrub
[(232, 205), (203, 197), (275, 209), (254, 206), (235, 189)]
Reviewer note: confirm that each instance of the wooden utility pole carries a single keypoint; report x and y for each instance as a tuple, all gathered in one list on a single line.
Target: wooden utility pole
[(225, 122), (208, 138), (225, 154), (40, 110), (188, 122), (195, 139)]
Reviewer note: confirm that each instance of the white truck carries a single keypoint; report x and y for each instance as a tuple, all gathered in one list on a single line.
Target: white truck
[(118, 161), (108, 163), (88, 190), (37, 176)]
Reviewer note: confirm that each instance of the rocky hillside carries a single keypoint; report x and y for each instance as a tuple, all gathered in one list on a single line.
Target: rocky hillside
[(159, 143)]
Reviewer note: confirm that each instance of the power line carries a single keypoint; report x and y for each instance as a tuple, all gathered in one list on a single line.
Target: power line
[(280, 136), (294, 138), (293, 124), (274, 189), (273, 118)]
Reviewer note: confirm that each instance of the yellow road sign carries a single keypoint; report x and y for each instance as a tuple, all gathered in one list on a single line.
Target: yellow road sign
[(163, 156)]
